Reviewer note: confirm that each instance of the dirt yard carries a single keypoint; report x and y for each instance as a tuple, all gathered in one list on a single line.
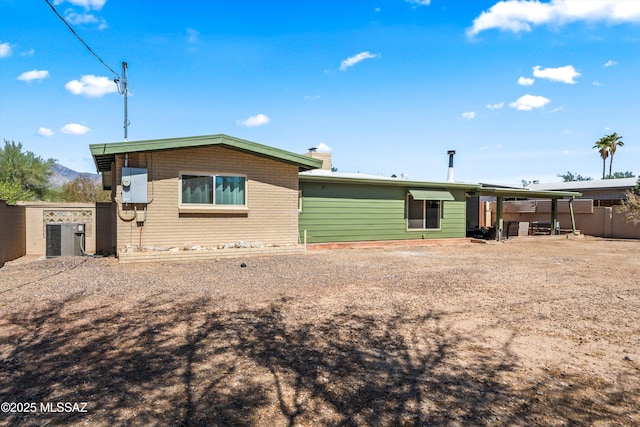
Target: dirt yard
[(528, 332)]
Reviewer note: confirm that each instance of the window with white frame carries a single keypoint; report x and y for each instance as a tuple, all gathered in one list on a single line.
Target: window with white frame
[(218, 190), (423, 214)]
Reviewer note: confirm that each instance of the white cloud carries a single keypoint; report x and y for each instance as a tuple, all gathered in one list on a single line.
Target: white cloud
[(5, 50), (486, 147), (495, 106), (353, 60), (84, 18), (520, 15), (80, 18), (257, 120), (323, 148), (91, 86), (87, 4), (529, 102), (74, 129), (564, 74), (419, 2), (312, 97), (469, 115), (511, 15), (193, 36), (596, 83), (524, 81), (193, 39), (610, 63), (30, 52), (29, 76), (45, 132)]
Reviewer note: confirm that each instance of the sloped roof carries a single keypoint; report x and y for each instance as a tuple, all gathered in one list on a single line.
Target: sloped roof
[(526, 193), (104, 154), (598, 184), (320, 175)]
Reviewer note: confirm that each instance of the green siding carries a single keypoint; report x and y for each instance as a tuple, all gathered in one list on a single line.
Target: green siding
[(336, 212)]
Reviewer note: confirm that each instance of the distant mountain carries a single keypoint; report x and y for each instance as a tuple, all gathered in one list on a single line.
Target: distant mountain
[(62, 174)]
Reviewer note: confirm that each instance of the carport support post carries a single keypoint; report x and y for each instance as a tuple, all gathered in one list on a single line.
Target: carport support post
[(554, 216), (573, 219), (499, 219)]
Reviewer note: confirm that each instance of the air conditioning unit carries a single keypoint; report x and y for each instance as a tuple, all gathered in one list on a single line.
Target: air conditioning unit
[(65, 239)]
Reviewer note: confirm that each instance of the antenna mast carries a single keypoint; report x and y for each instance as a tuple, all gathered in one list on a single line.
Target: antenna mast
[(122, 88)]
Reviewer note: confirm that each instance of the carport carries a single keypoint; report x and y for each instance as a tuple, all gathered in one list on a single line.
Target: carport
[(513, 193)]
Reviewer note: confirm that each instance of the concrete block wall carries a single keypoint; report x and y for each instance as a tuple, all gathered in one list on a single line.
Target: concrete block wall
[(38, 214), (622, 229), (12, 232)]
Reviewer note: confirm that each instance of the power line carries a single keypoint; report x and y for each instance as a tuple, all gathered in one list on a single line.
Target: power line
[(121, 83), (80, 38)]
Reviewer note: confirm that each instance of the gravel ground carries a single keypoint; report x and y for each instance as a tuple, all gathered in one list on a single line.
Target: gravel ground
[(527, 332)]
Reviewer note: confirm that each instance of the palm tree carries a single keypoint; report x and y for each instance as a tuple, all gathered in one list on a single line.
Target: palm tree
[(614, 143), (603, 148)]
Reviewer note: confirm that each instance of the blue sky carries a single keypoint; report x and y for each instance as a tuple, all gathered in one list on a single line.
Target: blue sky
[(520, 89)]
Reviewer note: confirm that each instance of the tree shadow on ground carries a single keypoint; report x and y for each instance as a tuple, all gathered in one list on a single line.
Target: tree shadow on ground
[(192, 364), (369, 371)]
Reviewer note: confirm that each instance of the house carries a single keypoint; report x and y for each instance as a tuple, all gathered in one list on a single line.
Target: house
[(209, 192), (202, 191)]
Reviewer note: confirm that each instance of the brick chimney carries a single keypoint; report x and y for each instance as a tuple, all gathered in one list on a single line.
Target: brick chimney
[(325, 157)]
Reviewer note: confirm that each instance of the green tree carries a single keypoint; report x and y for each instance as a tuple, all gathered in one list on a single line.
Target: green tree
[(569, 176), (24, 169), (84, 189), (602, 145), (615, 141), (631, 205), (11, 192), (627, 174)]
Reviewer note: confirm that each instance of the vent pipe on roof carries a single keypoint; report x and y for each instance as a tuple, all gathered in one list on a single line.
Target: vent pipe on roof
[(450, 172)]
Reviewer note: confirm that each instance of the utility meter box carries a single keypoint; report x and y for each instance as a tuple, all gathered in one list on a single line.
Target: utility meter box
[(134, 185)]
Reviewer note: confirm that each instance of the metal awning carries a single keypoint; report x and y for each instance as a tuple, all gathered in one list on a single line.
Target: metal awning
[(419, 194)]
